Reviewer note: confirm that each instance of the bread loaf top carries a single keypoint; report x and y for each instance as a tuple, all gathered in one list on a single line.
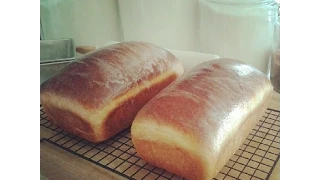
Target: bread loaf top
[(99, 77), (203, 107)]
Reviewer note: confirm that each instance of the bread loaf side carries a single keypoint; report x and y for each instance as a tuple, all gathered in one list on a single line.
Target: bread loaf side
[(195, 125), (99, 95)]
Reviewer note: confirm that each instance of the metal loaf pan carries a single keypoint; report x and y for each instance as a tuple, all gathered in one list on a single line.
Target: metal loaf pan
[(57, 50), (55, 55)]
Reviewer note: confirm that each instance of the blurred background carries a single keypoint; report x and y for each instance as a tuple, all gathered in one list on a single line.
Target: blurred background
[(239, 29)]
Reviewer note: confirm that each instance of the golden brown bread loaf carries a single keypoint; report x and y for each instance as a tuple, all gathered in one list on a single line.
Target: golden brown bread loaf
[(194, 126), (100, 94)]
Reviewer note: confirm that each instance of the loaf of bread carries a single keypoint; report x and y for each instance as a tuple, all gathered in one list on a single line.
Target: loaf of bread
[(99, 95), (196, 124)]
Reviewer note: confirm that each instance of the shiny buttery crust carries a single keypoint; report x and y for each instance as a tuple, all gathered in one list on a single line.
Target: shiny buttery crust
[(100, 94), (195, 125)]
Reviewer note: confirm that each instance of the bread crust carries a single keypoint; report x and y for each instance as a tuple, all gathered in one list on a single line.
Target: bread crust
[(206, 113), (99, 95)]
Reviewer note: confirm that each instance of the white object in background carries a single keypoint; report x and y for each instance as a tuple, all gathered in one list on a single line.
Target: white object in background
[(87, 22), (239, 29), (190, 59), (166, 23)]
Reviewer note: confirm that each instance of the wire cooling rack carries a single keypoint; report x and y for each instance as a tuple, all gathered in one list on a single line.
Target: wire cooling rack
[(255, 159)]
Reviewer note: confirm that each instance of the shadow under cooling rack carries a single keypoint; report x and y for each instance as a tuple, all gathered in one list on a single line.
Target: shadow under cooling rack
[(255, 159)]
